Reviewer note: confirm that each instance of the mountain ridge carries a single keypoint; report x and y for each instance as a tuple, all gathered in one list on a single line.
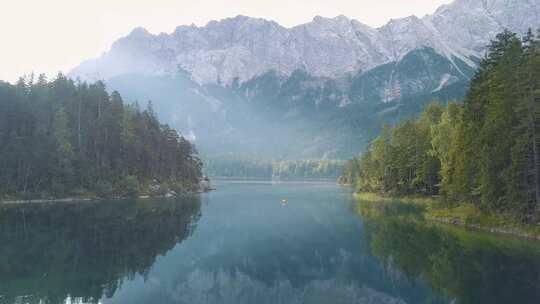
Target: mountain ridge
[(244, 47), (249, 86)]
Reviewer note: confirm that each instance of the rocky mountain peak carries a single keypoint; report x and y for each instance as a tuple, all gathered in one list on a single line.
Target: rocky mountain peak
[(140, 32), (243, 47)]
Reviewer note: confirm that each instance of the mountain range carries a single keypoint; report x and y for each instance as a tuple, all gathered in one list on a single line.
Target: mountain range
[(319, 89)]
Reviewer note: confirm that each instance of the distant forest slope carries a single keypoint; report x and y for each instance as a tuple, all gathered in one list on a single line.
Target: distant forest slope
[(60, 138), (273, 117), (276, 170)]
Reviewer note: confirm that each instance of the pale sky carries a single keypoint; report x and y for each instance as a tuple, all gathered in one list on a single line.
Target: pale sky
[(47, 36)]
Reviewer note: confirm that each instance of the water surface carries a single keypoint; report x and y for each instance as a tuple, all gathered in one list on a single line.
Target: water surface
[(243, 244)]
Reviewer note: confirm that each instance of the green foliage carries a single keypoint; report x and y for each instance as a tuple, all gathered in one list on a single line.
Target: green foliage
[(306, 169), (443, 137), (129, 186), (262, 169), (485, 151), (57, 136), (350, 172), (401, 160), (104, 189)]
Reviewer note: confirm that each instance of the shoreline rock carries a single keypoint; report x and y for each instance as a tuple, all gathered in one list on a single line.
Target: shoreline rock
[(170, 194), (203, 187)]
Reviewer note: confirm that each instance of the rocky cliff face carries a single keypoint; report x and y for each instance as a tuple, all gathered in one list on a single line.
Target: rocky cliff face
[(243, 48)]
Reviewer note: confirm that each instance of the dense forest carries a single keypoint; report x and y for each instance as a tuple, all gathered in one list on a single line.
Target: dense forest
[(483, 151), (64, 138), (273, 170)]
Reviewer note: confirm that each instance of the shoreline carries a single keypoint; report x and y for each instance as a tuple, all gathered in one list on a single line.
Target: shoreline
[(45, 201), (286, 180), (144, 197), (275, 182), (90, 200), (464, 216), (204, 186), (516, 233)]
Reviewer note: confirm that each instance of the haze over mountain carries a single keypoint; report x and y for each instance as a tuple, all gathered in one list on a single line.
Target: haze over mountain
[(244, 47), (319, 89)]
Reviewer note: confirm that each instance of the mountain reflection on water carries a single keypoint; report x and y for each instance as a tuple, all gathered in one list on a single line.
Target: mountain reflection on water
[(248, 247)]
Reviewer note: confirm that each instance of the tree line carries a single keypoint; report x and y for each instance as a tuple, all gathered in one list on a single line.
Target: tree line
[(298, 169), (265, 169), (65, 137), (483, 151)]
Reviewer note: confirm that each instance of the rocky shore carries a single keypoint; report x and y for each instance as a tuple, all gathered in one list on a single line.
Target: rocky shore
[(155, 190)]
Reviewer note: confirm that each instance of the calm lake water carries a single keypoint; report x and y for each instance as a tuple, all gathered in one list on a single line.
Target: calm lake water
[(241, 244)]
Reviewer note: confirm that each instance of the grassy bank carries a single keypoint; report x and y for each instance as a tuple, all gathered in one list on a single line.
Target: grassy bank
[(466, 215)]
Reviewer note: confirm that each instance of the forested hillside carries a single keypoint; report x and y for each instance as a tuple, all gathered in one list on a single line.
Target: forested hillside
[(62, 138), (484, 151), (244, 168)]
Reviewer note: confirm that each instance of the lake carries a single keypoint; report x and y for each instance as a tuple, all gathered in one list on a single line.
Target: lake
[(244, 244)]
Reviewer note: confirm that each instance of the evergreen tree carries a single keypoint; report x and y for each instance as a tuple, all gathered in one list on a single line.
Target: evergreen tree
[(486, 151), (61, 138)]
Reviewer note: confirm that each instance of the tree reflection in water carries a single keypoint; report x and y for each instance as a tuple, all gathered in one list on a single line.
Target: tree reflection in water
[(85, 251), (470, 267)]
